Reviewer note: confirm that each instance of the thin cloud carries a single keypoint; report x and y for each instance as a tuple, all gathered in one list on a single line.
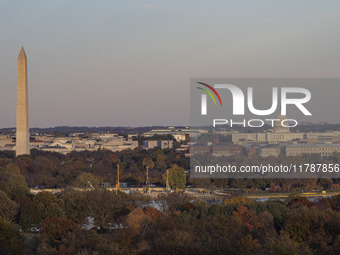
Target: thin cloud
[(148, 6)]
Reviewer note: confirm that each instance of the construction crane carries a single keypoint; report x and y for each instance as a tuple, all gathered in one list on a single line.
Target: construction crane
[(90, 185), (117, 185), (147, 188)]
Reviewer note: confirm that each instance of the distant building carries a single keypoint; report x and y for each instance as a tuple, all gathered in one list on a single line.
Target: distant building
[(199, 149), (322, 149), (116, 144), (227, 150), (269, 137), (270, 151), (217, 150), (251, 151), (178, 134), (276, 135), (6, 142), (64, 145), (322, 137), (163, 144)]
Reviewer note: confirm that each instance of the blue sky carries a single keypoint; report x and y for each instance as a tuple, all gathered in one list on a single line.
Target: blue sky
[(129, 62)]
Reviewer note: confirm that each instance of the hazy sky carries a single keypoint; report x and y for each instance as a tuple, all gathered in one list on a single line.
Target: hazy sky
[(129, 62)]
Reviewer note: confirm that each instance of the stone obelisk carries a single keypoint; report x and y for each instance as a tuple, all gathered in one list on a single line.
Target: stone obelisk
[(22, 130)]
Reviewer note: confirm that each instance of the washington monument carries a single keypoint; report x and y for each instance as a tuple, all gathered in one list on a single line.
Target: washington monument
[(22, 129)]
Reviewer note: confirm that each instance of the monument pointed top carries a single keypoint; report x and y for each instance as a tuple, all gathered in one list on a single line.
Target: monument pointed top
[(22, 53)]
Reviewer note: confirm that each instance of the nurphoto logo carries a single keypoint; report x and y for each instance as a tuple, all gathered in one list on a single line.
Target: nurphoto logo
[(296, 96)]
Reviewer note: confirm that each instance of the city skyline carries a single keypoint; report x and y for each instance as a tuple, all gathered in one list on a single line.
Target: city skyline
[(113, 65)]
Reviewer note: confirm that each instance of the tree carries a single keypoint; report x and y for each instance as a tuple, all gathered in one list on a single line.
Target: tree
[(336, 200), (246, 216), (56, 231), (114, 159), (177, 178), (238, 183), (284, 245), (201, 182), (279, 211), (75, 205), (137, 220), (325, 182), (45, 198), (30, 216), (85, 180), (172, 201), (17, 187), (264, 228), (299, 202), (335, 187), (160, 163), (8, 208), (148, 162), (47, 205), (11, 241), (235, 201), (12, 169), (85, 241), (152, 212), (298, 227), (104, 206)]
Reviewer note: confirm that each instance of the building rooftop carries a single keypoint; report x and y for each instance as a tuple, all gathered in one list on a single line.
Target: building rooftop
[(315, 145)]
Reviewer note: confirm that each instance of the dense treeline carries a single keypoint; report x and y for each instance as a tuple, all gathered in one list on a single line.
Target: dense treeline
[(276, 184), (54, 170), (99, 221), (103, 222)]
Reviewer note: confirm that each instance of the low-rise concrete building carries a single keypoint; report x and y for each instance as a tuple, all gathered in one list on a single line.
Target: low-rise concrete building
[(178, 134), (270, 151), (322, 149), (227, 150), (163, 144), (199, 149), (217, 150), (6, 143), (268, 137)]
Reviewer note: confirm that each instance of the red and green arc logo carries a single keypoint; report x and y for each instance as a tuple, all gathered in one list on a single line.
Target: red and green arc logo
[(209, 93)]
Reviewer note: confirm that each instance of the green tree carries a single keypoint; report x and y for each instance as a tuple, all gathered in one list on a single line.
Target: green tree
[(160, 163), (85, 180), (148, 162), (12, 169), (75, 205), (177, 178), (280, 212), (325, 182), (47, 205), (30, 216), (235, 201), (86, 241), (298, 227), (284, 245), (17, 187), (11, 241), (8, 208)]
